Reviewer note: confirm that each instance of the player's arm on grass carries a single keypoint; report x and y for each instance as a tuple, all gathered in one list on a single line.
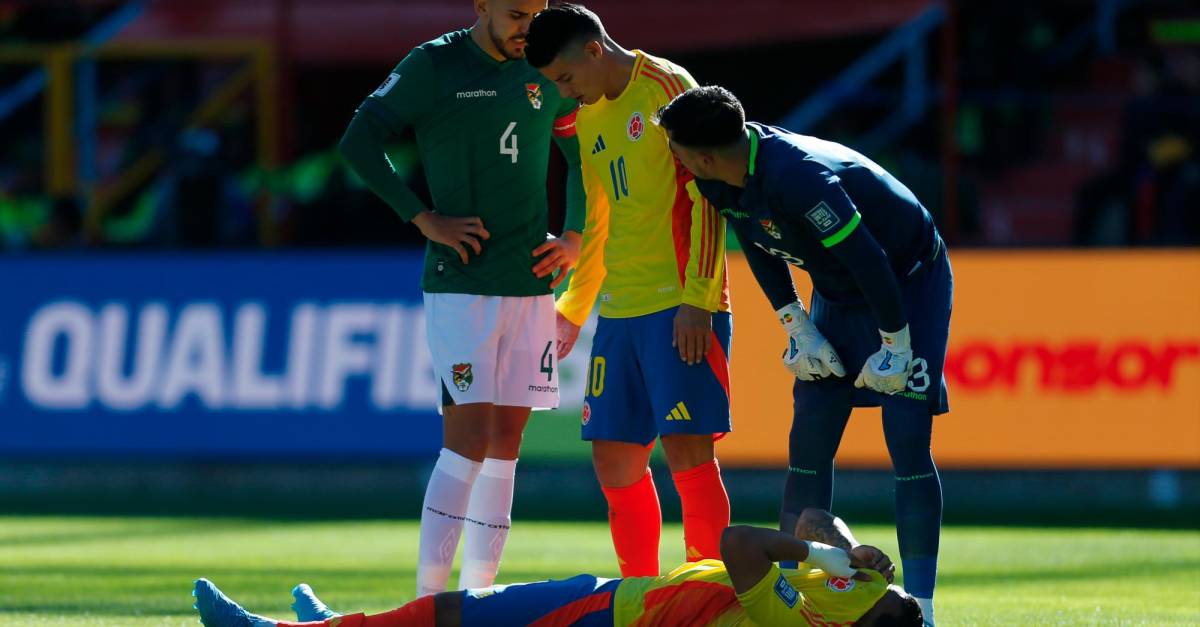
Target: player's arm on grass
[(822, 526), (749, 553), (404, 98), (829, 213), (560, 254), (575, 304)]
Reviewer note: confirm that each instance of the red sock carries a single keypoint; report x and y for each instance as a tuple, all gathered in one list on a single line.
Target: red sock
[(419, 613), (635, 520), (705, 509)]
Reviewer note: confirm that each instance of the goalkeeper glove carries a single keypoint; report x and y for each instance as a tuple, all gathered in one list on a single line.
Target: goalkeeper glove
[(830, 559), (887, 370), (809, 356)]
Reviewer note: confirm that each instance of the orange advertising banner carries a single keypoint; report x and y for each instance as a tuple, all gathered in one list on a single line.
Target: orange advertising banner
[(1056, 360)]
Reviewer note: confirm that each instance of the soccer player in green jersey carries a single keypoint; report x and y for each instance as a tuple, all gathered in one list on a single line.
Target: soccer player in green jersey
[(483, 120)]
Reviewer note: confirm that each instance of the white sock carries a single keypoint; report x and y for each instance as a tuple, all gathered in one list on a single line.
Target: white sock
[(488, 518), (442, 517), (926, 609)]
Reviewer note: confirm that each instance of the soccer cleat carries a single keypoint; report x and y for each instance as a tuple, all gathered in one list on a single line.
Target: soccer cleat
[(308, 607), (218, 610)]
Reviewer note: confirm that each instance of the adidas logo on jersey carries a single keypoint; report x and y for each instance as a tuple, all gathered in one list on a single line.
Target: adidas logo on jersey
[(599, 147)]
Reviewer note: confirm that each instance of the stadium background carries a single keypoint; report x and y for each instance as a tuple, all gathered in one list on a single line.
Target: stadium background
[(204, 312)]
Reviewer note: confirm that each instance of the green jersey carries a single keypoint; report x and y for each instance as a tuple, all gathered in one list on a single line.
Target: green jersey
[(483, 131)]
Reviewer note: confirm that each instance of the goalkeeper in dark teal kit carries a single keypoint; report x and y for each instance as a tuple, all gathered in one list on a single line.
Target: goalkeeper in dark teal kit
[(876, 331)]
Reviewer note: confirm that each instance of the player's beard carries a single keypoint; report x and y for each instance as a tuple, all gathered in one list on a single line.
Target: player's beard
[(500, 44)]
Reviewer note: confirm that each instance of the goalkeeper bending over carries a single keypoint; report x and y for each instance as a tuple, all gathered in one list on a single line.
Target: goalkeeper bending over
[(839, 582)]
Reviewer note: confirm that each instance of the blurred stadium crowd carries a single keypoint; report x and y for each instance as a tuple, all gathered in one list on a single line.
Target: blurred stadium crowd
[(1072, 123)]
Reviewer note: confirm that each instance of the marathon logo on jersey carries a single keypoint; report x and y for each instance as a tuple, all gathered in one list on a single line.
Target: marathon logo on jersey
[(636, 126), (733, 213), (463, 378), (533, 91), (839, 584), (786, 592), (387, 85), (771, 228), (823, 217), (478, 93)]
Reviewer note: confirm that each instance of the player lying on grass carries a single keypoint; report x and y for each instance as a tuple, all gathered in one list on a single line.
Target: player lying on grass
[(840, 582)]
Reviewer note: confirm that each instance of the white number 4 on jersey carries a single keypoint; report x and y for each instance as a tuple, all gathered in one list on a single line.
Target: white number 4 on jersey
[(507, 147)]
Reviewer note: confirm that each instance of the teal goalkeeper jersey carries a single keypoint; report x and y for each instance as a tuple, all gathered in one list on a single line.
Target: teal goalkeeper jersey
[(483, 130)]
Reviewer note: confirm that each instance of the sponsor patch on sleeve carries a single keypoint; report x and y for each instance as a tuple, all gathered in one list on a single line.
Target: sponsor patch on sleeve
[(786, 592), (387, 85), (823, 217)]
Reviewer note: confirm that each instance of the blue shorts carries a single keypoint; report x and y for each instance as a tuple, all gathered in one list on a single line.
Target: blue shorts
[(581, 601), (638, 388), (854, 333)]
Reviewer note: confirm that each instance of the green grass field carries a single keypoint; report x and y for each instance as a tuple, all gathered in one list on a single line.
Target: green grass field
[(138, 571)]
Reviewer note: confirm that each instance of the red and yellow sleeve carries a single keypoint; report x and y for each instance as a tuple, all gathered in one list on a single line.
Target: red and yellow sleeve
[(704, 275), (576, 303), (704, 278)]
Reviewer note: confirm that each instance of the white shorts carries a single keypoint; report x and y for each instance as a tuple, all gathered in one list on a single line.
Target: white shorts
[(493, 349)]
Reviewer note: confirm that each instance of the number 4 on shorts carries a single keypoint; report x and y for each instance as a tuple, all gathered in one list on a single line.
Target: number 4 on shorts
[(548, 361)]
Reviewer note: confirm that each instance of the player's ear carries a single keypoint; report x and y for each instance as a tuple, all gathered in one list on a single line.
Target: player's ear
[(593, 50), (481, 7)]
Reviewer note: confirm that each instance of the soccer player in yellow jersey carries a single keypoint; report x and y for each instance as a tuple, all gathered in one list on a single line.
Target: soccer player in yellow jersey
[(653, 254), (839, 583)]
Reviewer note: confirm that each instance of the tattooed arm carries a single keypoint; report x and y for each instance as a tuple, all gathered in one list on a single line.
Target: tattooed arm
[(750, 553), (820, 525)]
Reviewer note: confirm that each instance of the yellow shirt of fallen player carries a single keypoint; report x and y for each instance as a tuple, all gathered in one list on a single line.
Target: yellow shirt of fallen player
[(700, 594), (651, 241)]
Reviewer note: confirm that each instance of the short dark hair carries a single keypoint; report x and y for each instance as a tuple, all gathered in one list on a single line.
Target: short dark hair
[(911, 614), (557, 27), (908, 614), (704, 117)]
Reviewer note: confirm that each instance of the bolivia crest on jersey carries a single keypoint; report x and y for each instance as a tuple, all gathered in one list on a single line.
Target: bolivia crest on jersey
[(771, 228), (636, 127), (463, 378), (839, 584), (534, 92)]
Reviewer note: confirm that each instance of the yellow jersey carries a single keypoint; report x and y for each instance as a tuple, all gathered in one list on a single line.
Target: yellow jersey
[(699, 594), (651, 241)]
